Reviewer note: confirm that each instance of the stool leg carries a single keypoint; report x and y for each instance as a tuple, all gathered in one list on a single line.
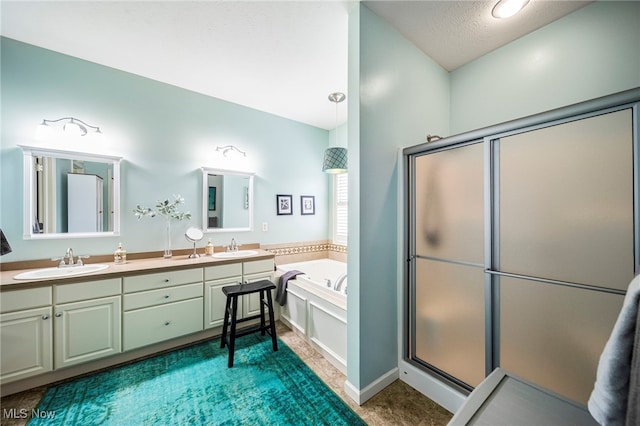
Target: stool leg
[(226, 322), (232, 337), (263, 323), (272, 322)]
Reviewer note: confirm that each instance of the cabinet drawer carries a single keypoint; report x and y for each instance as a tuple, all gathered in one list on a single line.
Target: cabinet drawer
[(25, 299), (222, 271), (65, 293), (144, 327), (257, 266), (161, 296), (161, 279)]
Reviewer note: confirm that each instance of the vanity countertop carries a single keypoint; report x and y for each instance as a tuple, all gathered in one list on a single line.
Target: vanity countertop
[(132, 267)]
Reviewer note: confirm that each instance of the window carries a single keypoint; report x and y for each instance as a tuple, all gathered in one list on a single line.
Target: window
[(340, 208)]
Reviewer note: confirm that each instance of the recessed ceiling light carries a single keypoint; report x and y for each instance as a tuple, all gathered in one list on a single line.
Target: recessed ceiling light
[(507, 8)]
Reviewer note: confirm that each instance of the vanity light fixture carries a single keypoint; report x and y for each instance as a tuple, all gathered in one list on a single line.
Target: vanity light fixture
[(507, 8), (230, 148), (69, 125), (335, 158)]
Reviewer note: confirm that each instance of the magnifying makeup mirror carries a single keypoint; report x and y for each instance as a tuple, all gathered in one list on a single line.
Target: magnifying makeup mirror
[(194, 235)]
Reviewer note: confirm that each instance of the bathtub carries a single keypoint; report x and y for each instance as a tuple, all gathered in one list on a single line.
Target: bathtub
[(315, 310)]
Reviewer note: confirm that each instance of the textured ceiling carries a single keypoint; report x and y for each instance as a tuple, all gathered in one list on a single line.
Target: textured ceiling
[(279, 57), (453, 33)]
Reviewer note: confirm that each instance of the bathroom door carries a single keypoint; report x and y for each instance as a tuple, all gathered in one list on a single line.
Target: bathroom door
[(84, 203), (447, 269)]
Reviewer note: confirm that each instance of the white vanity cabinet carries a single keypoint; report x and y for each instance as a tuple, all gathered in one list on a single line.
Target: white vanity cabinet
[(215, 278), (256, 271), (161, 306), (87, 322), (25, 333), (72, 326)]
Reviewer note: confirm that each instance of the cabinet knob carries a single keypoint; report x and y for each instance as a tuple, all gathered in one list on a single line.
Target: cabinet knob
[(45, 317), (58, 314), (166, 296), (167, 322), (166, 280)]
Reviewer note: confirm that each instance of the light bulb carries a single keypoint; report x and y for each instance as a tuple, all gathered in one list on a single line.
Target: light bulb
[(507, 8)]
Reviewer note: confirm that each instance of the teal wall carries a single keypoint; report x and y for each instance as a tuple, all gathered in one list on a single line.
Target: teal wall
[(165, 134), (354, 322), (592, 52), (403, 96)]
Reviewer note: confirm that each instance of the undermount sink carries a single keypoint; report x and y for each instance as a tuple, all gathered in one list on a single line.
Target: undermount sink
[(68, 271), (234, 254)]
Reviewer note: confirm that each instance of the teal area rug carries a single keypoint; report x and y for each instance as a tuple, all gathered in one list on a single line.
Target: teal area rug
[(194, 386)]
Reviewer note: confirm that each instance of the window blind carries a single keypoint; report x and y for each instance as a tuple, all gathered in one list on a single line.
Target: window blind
[(341, 208)]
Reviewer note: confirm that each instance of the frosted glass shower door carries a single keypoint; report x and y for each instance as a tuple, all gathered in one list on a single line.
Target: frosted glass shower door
[(566, 202), (449, 320), (449, 204), (448, 326), (553, 335), (565, 247)]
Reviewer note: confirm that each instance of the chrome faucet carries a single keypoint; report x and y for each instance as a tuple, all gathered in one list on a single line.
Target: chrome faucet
[(339, 281), (233, 246), (67, 259)]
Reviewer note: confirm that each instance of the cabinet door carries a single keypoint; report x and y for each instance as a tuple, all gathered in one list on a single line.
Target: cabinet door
[(87, 330), (25, 344), (215, 301), (251, 302)]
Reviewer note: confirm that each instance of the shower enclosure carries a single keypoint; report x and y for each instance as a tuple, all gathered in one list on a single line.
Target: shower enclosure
[(521, 241)]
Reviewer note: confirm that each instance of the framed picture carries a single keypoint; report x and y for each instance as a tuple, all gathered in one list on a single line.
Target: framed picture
[(307, 204), (212, 198), (285, 204)]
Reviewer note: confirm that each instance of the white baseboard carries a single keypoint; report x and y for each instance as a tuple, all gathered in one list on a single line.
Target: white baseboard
[(362, 396), (436, 390)]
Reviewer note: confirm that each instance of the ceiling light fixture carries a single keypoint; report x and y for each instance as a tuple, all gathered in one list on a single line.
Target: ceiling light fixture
[(230, 148), (335, 158), (507, 8)]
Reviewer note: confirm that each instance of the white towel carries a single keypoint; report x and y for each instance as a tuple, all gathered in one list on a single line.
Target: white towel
[(608, 401)]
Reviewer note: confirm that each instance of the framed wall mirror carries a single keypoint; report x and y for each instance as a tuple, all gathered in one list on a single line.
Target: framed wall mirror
[(227, 200), (70, 194)]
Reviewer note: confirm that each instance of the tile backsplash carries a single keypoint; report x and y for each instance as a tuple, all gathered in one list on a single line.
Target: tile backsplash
[(307, 250)]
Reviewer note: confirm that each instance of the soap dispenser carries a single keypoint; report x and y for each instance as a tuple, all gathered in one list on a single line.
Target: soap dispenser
[(120, 255), (208, 250)]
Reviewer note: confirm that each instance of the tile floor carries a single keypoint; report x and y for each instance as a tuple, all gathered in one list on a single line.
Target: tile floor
[(398, 404)]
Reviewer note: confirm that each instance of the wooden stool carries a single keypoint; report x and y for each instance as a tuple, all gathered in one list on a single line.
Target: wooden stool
[(233, 292)]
